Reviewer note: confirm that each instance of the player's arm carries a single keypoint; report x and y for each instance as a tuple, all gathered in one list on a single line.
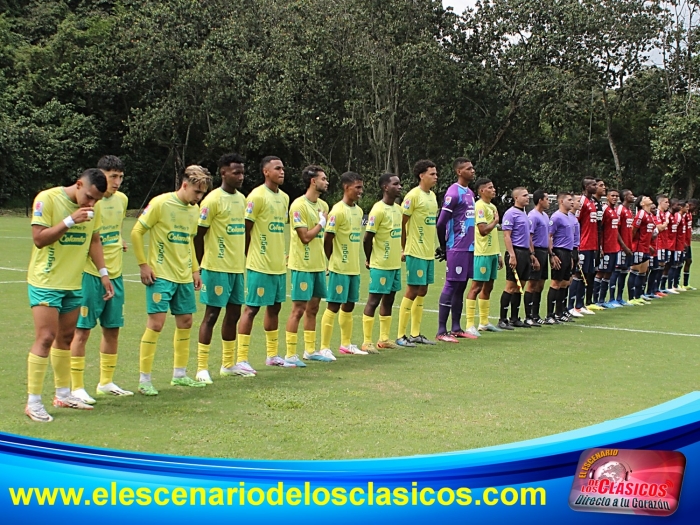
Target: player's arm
[(512, 262), (486, 228), (199, 242), (306, 235), (45, 235), (623, 246), (404, 228), (248, 228), (533, 260), (442, 222), (97, 256), (196, 278), (553, 259), (367, 243), (328, 244), (148, 276)]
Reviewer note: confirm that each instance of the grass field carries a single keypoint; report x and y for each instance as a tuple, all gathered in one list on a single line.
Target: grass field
[(499, 389)]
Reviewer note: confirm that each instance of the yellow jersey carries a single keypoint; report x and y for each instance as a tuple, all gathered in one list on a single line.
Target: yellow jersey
[(268, 211), (345, 223), (59, 266), (485, 244), (223, 214), (385, 222), (172, 225), (112, 213), (422, 208), (306, 257)]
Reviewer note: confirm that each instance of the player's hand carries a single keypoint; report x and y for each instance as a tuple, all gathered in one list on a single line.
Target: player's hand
[(403, 257), (197, 280), (512, 261), (148, 277), (83, 215), (440, 254), (125, 246), (628, 252), (496, 217), (109, 289), (367, 263), (556, 262), (535, 263), (500, 262)]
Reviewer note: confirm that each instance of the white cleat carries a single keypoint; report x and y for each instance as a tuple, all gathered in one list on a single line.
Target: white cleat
[(575, 313), (37, 412), (327, 353), (110, 389), (586, 311), (204, 377), (81, 394)]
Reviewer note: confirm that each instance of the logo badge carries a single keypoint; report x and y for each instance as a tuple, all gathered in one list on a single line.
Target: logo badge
[(156, 297), (419, 273), (458, 270), (39, 209), (382, 281), (261, 291), (483, 270), (84, 310), (481, 214), (448, 200), (218, 290), (339, 289), (331, 221), (204, 214), (407, 203), (249, 207), (303, 286), (371, 221), (297, 217)]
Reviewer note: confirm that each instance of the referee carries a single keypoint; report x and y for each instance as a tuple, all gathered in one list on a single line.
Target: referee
[(562, 234)]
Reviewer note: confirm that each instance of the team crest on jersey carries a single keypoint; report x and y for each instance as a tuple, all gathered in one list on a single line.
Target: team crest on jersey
[(371, 221), (448, 200), (551, 223), (204, 214), (331, 221), (156, 297), (382, 281), (39, 209), (303, 286), (506, 223), (407, 203), (339, 289), (261, 291), (297, 217), (218, 290), (145, 210), (249, 207), (84, 310)]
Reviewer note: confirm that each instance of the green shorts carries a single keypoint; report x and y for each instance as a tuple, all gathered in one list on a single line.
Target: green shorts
[(265, 290), (343, 288), (419, 272), (163, 294), (93, 307), (485, 267), (64, 300), (306, 285), (384, 282), (220, 288)]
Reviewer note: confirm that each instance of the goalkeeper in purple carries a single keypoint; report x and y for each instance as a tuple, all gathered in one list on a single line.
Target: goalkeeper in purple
[(455, 231)]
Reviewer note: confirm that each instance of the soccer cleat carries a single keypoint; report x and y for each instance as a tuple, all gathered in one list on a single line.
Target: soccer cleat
[(690, 288), (586, 310), (671, 291), (110, 389), (327, 352), (624, 303), (317, 356), (245, 366), (681, 288), (490, 328), (186, 381), (421, 340), (649, 297), (517, 323), (563, 319), (594, 307), (387, 345), (461, 334), (504, 325), (474, 331), (575, 312), (531, 323), (446, 338), (405, 342), (204, 377), (278, 361), (660, 295), (369, 348), (294, 360), (36, 412), (70, 401), (147, 389), (236, 370), (351, 350), (539, 321), (81, 394), (610, 305), (551, 320)]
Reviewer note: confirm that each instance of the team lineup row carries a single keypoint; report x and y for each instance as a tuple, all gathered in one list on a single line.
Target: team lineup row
[(239, 242)]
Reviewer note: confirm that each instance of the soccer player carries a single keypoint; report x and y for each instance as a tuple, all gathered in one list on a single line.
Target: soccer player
[(574, 283), (680, 247), (520, 258), (220, 249), (669, 274), (307, 261), (592, 292), (562, 231), (418, 244), (112, 209), (266, 271), (688, 256), (539, 229), (659, 249), (170, 273), (382, 246), (65, 231), (589, 248), (342, 247), (610, 233), (455, 231), (624, 256), (642, 233), (487, 258)]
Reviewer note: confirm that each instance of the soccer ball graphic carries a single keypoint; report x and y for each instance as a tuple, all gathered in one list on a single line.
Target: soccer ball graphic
[(612, 471)]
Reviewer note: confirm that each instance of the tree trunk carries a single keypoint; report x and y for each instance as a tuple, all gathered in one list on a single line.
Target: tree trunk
[(611, 140), (691, 188), (502, 130)]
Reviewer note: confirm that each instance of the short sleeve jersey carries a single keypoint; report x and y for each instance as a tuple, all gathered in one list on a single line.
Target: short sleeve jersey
[(345, 223), (626, 224), (561, 227), (267, 210), (688, 228), (306, 257), (422, 208), (385, 222), (577, 229), (663, 217), (459, 204), (644, 222), (485, 244), (680, 237), (223, 214), (59, 266), (172, 224), (539, 228), (588, 219), (112, 212), (611, 223), (517, 222)]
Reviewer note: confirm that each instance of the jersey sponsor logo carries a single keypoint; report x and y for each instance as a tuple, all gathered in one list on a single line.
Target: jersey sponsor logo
[(470, 213), (276, 227), (39, 209), (73, 239), (109, 237), (204, 214), (396, 233), (407, 203), (371, 220), (249, 207), (430, 221), (235, 229), (448, 200), (179, 237), (296, 217), (331, 221), (354, 237)]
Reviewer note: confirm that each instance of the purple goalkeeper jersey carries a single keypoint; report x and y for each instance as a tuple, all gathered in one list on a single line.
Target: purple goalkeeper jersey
[(458, 209), (539, 228), (517, 222)]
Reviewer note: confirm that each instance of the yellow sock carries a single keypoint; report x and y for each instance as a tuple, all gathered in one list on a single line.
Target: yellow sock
[(228, 355), (36, 371), (327, 322), (272, 342), (147, 350), (60, 362), (309, 341), (484, 306), (416, 316), (108, 363), (367, 328), (291, 339), (77, 372), (202, 356), (345, 322), (404, 316), (384, 327), (243, 347), (181, 345), (471, 312)]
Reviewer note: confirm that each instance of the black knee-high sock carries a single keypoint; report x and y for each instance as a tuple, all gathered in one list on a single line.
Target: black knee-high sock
[(529, 301), (536, 300), (505, 304), (590, 280), (515, 305), (561, 302), (552, 301)]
